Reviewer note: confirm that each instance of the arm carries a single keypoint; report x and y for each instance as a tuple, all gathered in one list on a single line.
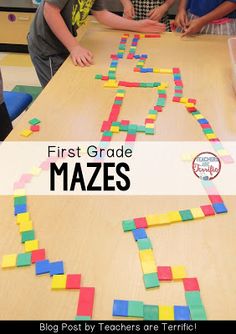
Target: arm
[(158, 12), (219, 12), (181, 19), (117, 22), (79, 55), (129, 12)]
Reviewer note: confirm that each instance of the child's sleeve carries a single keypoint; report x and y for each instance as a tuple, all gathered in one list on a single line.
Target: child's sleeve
[(99, 5)]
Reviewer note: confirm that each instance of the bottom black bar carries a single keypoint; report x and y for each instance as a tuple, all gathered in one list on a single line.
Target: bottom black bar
[(131, 327), (19, 48)]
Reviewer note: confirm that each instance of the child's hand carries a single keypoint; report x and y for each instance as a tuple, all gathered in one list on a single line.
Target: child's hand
[(157, 13), (193, 27), (129, 12), (81, 56), (150, 26), (181, 19)]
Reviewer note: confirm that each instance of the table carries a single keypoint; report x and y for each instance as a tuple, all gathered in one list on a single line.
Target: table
[(15, 19), (86, 232)]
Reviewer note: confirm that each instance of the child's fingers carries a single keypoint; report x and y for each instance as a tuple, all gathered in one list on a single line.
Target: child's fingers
[(74, 60)]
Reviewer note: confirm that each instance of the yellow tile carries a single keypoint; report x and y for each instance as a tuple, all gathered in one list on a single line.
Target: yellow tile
[(146, 255), (148, 267), (174, 216), (26, 226), (166, 71), (166, 312), (163, 219), (16, 59), (163, 85), (152, 220), (26, 133), (184, 100), (58, 282), (111, 84), (197, 213), (31, 245), (115, 129), (156, 70), (198, 116), (120, 94), (19, 192), (112, 69), (22, 217), (36, 171), (9, 261), (178, 272), (152, 116), (150, 125), (189, 105), (211, 135)]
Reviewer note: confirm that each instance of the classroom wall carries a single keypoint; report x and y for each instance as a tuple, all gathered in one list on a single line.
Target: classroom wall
[(115, 6)]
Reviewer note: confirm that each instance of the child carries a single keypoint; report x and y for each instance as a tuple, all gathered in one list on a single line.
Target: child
[(153, 9), (5, 123), (52, 35), (207, 17)]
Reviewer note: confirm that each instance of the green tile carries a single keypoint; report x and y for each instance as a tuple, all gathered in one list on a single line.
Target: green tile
[(115, 123), (112, 76), (143, 84), (151, 280), (98, 76), (178, 94), (20, 200), (135, 309), (144, 244), (178, 88), (128, 225), (149, 131), (119, 102), (161, 91), (34, 121), (193, 298), (120, 91), (32, 90), (132, 127), (208, 130), (107, 133), (23, 260), (161, 102), (156, 84), (151, 312), (124, 127), (81, 318), (131, 131), (150, 84), (152, 112), (186, 215), (141, 128), (28, 235), (197, 312), (195, 113)]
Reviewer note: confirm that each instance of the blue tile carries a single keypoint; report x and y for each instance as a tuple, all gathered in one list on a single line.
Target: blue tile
[(182, 313), (139, 233), (203, 121), (42, 267), (21, 208), (120, 308), (56, 268), (219, 208)]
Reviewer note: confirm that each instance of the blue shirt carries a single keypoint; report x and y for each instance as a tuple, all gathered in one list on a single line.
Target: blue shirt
[(203, 7)]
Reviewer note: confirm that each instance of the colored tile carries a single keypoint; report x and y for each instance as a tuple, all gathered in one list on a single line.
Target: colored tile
[(197, 312), (42, 267), (166, 313), (22, 217), (140, 222), (164, 273), (186, 215), (9, 261), (135, 309), (208, 210), (144, 244), (38, 255), (197, 213), (182, 313), (23, 260), (56, 268), (193, 298), (174, 216), (191, 284), (128, 225), (27, 235), (178, 272), (31, 245), (139, 234), (151, 280), (219, 208), (151, 312), (58, 282), (120, 308), (73, 281)]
